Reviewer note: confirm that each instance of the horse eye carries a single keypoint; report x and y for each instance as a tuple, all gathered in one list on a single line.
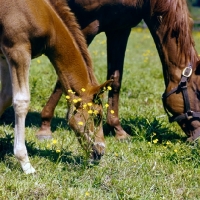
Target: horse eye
[(159, 19)]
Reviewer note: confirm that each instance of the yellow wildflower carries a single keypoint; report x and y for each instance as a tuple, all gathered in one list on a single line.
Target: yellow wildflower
[(80, 123), (79, 99), (67, 97), (89, 104), (175, 150), (112, 111), (109, 88), (84, 106), (83, 89), (106, 105), (75, 100), (58, 151), (87, 194), (96, 112), (70, 91), (155, 141), (168, 142), (90, 111), (54, 141)]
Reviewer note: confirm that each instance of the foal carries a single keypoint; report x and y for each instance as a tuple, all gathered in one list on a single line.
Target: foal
[(27, 30)]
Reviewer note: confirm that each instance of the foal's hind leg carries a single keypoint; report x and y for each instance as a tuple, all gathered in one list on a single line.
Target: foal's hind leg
[(5, 85), (47, 113), (116, 46), (19, 62)]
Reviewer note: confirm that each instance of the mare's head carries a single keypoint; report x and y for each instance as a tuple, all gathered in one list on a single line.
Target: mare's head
[(171, 27)]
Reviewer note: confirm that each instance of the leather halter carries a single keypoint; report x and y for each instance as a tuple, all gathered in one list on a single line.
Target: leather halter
[(182, 87)]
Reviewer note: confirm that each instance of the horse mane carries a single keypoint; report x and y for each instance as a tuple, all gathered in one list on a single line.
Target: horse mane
[(178, 22), (62, 9)]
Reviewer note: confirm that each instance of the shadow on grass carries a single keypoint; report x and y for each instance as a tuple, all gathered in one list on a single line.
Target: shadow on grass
[(32, 119), (141, 128), (138, 127), (6, 149)]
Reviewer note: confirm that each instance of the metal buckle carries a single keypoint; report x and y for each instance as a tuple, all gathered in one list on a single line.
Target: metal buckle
[(189, 115), (187, 72)]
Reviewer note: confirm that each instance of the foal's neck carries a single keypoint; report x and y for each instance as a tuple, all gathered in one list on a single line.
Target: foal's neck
[(64, 53)]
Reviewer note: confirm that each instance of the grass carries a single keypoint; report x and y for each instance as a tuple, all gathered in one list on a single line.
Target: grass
[(156, 164)]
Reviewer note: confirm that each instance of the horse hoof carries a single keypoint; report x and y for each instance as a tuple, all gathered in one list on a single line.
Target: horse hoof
[(44, 134), (44, 137), (122, 135), (98, 150), (27, 168)]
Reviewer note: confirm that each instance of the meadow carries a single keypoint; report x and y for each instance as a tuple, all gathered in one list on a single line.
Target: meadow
[(155, 164)]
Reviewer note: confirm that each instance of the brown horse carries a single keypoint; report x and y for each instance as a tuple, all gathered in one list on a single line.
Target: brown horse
[(27, 31), (170, 25)]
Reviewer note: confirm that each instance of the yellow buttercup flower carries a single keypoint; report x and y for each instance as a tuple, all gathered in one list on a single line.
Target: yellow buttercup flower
[(54, 141), (95, 112), (58, 151), (87, 194), (168, 142), (70, 91), (175, 150), (84, 106), (89, 104), (112, 111), (106, 105), (83, 89), (109, 88), (75, 100), (90, 111), (80, 123), (67, 97), (155, 141)]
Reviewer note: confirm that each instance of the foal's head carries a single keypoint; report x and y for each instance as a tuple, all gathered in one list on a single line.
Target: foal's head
[(85, 118)]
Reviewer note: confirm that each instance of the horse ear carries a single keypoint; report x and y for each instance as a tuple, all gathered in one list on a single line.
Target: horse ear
[(97, 91)]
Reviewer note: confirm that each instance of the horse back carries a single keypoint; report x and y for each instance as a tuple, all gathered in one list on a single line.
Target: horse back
[(24, 22)]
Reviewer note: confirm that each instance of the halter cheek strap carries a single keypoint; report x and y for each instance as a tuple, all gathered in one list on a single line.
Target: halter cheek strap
[(182, 87)]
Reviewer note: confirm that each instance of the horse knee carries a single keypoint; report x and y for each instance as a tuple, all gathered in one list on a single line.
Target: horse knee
[(116, 85), (21, 104), (113, 121)]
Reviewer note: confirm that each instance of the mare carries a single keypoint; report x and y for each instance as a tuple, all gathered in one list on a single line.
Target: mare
[(27, 31), (170, 25)]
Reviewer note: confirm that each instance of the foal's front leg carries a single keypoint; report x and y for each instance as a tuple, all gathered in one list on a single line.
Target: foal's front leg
[(19, 62)]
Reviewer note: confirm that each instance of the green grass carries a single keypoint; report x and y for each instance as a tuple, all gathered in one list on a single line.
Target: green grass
[(143, 168)]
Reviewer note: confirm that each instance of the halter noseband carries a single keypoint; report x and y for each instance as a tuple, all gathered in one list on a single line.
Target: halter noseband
[(182, 86)]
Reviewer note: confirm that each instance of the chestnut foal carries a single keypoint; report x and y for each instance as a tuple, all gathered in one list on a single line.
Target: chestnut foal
[(27, 30)]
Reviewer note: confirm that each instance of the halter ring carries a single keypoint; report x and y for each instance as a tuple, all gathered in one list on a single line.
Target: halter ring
[(187, 72)]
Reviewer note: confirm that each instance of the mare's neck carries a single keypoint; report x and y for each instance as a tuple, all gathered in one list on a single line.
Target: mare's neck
[(172, 59)]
